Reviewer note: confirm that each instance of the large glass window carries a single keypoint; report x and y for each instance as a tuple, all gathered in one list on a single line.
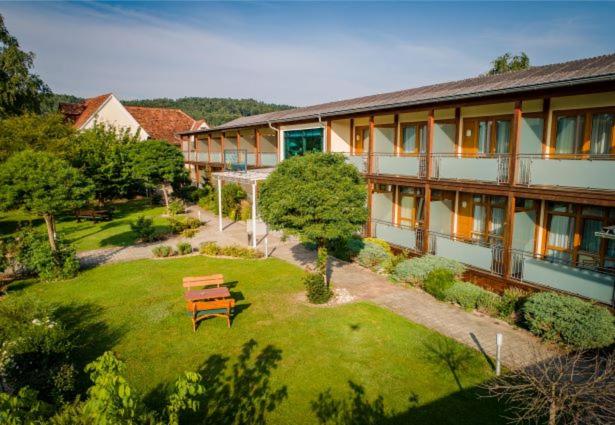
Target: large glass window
[(300, 142), (488, 216), (361, 140), (492, 136)]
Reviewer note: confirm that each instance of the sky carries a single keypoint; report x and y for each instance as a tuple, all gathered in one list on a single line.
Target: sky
[(296, 53)]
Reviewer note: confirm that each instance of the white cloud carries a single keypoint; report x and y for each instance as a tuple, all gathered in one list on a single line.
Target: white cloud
[(88, 51)]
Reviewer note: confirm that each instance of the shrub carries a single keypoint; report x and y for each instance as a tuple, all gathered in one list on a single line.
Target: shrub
[(245, 210), (143, 228), (184, 248), (213, 249), (209, 202), (162, 251), (438, 282), (415, 270), (36, 349), (177, 207), (33, 254), (511, 302), (384, 244), (373, 255), (180, 224), (316, 289), (188, 233), (574, 322), (209, 248)]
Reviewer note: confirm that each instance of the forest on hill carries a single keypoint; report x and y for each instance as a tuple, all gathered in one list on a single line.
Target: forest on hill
[(214, 110)]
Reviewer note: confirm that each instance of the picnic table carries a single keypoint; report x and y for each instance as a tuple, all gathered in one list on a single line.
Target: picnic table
[(207, 294)]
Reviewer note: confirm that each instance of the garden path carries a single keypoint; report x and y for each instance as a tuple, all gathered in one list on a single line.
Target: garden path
[(356, 283)]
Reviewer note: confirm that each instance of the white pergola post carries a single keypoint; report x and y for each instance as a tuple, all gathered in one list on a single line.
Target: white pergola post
[(219, 204), (254, 214)]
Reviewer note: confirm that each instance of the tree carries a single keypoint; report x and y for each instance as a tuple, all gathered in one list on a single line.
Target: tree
[(42, 184), (37, 132), (102, 155), (507, 63), (318, 197), (20, 90), (157, 164), (577, 388)]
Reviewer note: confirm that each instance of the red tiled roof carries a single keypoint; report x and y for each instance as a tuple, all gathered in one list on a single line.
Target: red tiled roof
[(91, 105), (161, 123)]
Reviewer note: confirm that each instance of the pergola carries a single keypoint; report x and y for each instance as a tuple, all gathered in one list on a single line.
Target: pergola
[(248, 177)]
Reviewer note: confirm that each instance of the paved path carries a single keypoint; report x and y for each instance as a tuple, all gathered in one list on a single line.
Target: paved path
[(473, 329)]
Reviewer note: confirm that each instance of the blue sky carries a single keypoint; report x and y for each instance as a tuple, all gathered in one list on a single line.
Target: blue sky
[(294, 53)]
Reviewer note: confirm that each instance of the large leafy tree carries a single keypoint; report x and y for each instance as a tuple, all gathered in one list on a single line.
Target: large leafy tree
[(507, 63), (37, 132), (102, 154), (21, 91), (318, 197), (157, 164), (40, 183)]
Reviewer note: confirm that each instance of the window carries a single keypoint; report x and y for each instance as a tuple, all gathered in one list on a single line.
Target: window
[(569, 134), (486, 136), (411, 203), (567, 223), (586, 132), (488, 218), (414, 138), (299, 142), (383, 188)]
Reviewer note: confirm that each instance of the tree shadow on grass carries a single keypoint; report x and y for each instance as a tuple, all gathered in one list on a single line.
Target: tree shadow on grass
[(240, 393), (129, 238), (91, 335), (462, 407), (449, 355)]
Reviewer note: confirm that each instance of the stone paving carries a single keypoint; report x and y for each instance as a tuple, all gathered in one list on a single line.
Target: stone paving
[(476, 330)]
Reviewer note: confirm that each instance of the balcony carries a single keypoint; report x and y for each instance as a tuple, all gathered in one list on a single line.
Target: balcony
[(251, 158), (578, 171), (399, 165), (186, 155), (474, 254), (492, 168), (215, 157), (202, 157), (596, 284), (359, 161), (402, 236)]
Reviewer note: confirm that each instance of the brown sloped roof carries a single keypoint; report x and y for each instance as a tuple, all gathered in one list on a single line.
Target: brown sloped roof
[(161, 123), (601, 68), (90, 106)]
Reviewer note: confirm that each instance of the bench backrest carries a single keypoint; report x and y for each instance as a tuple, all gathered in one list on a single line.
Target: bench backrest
[(210, 305), (200, 281)]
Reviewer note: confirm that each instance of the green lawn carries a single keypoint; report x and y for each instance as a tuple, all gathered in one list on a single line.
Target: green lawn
[(136, 309), (87, 234)]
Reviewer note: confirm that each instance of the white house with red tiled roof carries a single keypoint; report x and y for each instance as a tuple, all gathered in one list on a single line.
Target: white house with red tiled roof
[(147, 123)]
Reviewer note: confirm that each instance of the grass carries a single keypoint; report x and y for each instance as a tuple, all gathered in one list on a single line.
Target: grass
[(87, 234), (421, 375)]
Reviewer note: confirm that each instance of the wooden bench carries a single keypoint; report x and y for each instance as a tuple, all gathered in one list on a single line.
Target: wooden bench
[(190, 282), (200, 310), (93, 214)]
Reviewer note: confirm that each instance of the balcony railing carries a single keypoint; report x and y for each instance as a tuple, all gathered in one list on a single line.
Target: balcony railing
[(202, 157), (593, 283), (399, 235), (359, 161), (484, 256), (481, 167), (581, 171), (399, 165), (268, 159), (251, 158), (186, 155)]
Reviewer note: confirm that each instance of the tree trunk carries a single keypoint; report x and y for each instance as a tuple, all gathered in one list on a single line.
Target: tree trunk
[(321, 262), (51, 230), (166, 196)]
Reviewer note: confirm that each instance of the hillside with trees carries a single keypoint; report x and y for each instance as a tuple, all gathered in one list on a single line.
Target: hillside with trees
[(214, 110)]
